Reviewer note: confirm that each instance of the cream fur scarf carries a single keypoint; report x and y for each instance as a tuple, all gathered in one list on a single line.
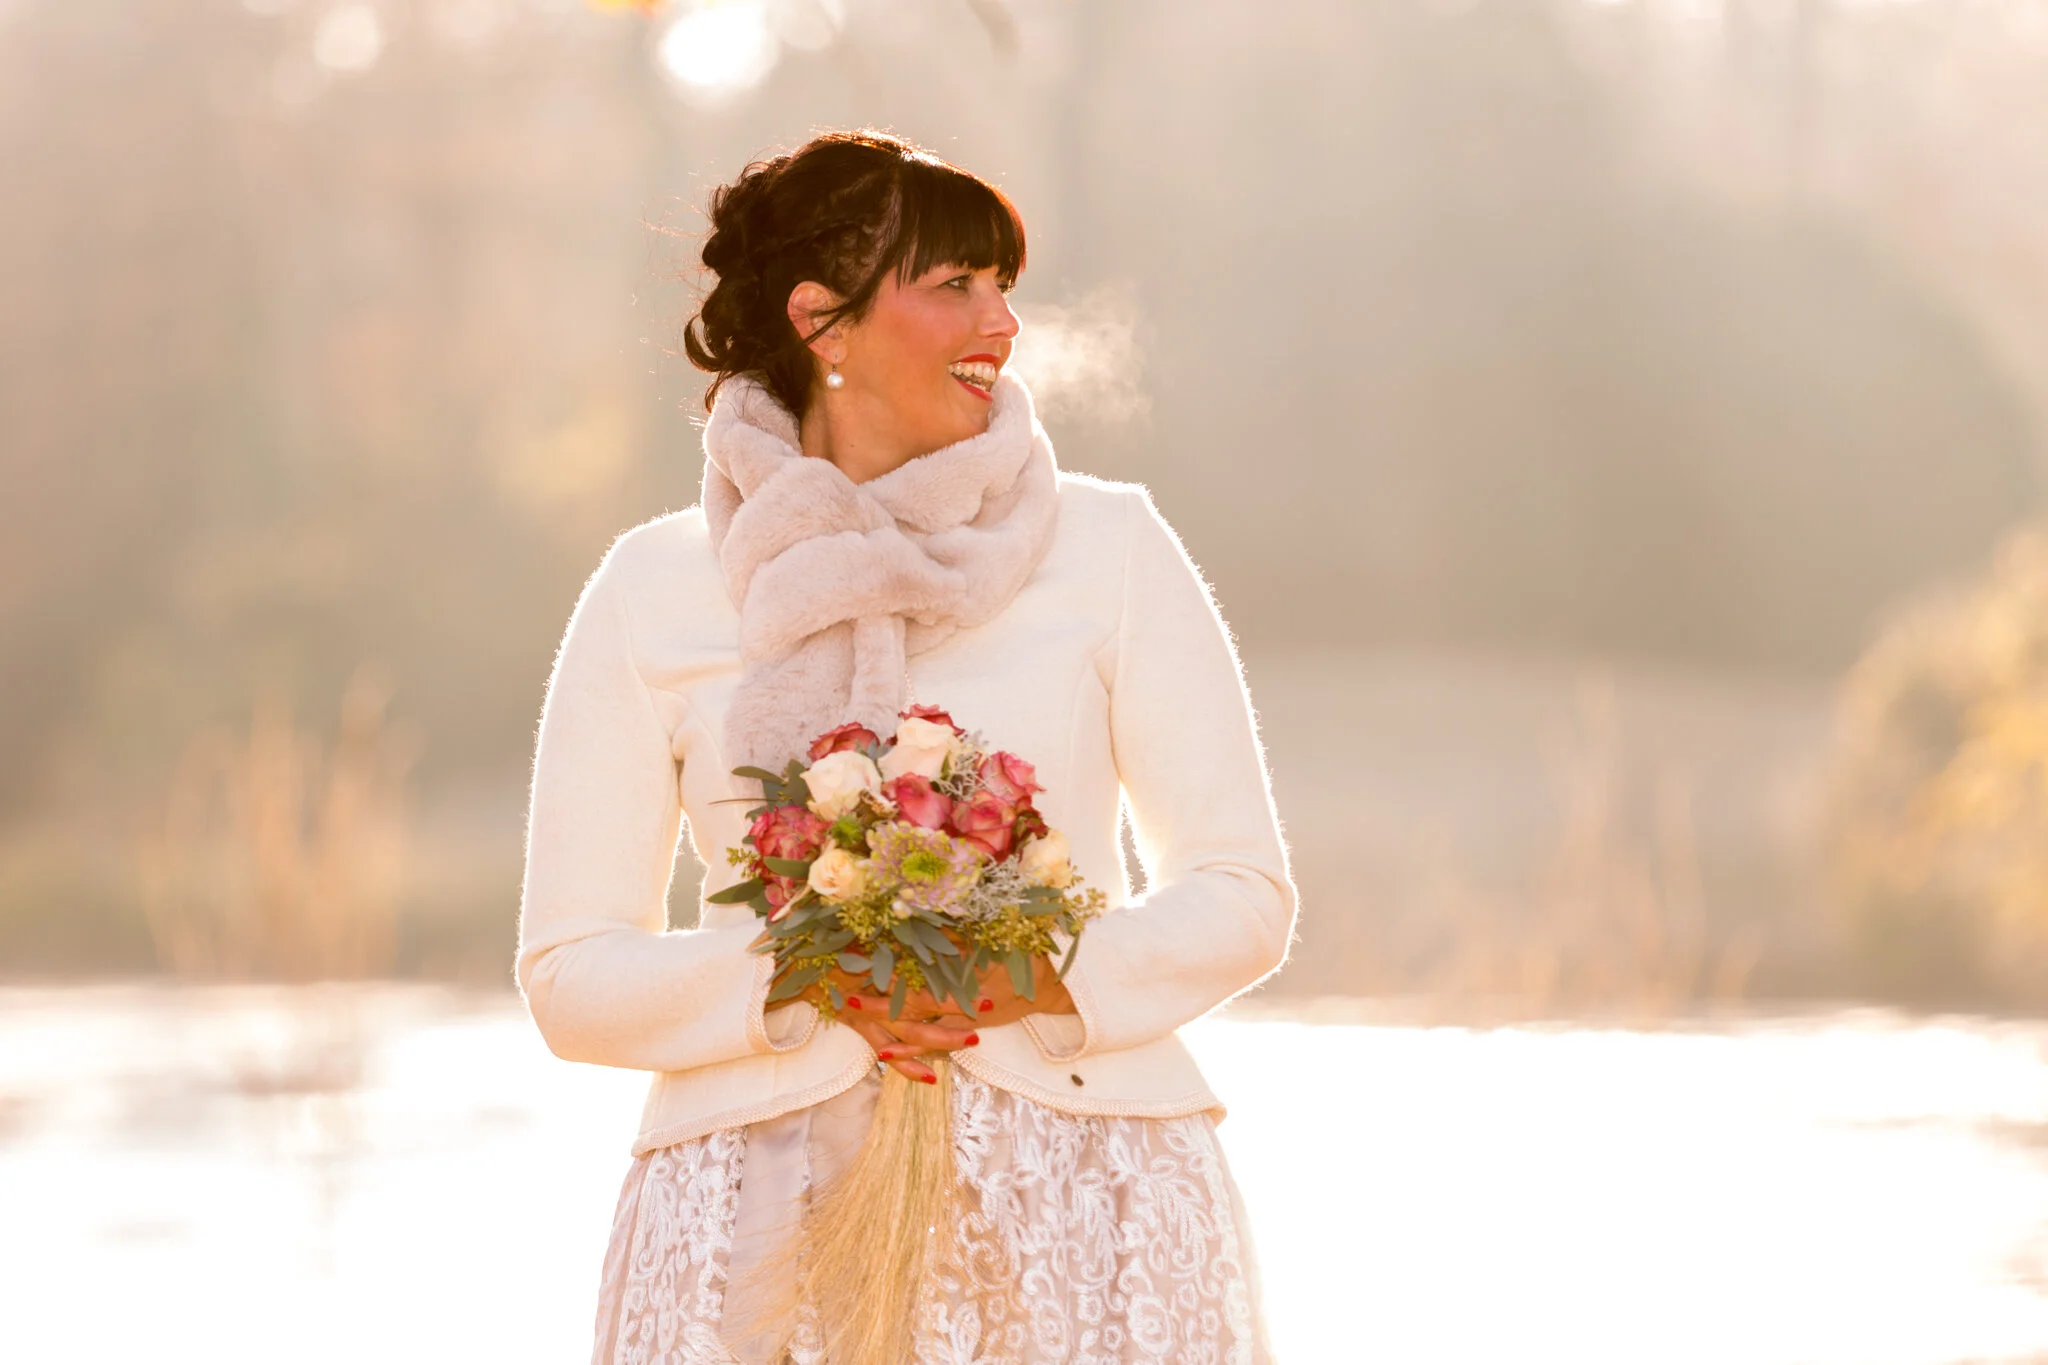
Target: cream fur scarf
[(837, 583)]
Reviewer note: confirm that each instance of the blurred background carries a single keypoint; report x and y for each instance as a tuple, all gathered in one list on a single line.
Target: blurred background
[(1613, 428)]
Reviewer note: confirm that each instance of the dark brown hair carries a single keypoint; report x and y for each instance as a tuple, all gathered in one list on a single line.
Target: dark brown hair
[(844, 209)]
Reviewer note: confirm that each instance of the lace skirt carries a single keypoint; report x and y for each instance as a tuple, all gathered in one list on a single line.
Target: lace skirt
[(1095, 1241)]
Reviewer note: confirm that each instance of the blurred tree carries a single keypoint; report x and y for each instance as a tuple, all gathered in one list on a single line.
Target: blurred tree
[(1940, 792)]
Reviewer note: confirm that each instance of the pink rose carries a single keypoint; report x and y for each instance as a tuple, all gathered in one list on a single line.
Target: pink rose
[(988, 822), (918, 801), (788, 832), (785, 832), (1010, 777), (932, 714), (852, 735)]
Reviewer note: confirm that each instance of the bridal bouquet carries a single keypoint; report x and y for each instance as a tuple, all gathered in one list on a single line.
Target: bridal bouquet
[(917, 861)]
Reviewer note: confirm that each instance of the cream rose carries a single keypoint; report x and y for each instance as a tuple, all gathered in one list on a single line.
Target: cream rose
[(922, 747), (1044, 861), (837, 875), (837, 780)]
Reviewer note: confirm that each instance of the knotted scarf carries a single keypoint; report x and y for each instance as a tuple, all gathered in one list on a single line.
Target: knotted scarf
[(838, 583)]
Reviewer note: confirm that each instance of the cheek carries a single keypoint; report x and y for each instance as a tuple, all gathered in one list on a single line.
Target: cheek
[(927, 336), (914, 341)]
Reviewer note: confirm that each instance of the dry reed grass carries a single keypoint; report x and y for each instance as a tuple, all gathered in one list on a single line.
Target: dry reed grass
[(279, 858), (1610, 923), (279, 855)]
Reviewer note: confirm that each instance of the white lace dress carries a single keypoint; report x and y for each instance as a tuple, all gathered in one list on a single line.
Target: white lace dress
[(1096, 1241)]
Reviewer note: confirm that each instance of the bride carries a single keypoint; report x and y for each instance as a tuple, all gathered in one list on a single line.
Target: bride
[(884, 533)]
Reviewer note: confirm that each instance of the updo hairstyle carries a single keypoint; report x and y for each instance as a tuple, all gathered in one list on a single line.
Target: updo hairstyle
[(844, 210)]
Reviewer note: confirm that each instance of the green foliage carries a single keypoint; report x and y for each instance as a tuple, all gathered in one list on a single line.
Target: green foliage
[(737, 893)]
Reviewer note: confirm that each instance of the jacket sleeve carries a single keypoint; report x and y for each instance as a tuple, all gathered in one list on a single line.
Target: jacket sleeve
[(1218, 912), (604, 978)]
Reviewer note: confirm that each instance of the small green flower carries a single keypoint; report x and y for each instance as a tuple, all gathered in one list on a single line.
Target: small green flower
[(929, 869), (923, 866)]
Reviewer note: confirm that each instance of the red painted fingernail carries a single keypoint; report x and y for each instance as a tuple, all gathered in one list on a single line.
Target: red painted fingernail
[(929, 1079), (986, 1005), (853, 1003), (973, 1038), (886, 1053)]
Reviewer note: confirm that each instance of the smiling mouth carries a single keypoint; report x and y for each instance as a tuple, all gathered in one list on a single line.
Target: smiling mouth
[(976, 376)]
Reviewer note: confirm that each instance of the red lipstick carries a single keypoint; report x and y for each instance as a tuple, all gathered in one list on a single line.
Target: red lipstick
[(977, 391)]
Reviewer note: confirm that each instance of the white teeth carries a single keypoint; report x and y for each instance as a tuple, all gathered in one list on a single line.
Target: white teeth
[(979, 373)]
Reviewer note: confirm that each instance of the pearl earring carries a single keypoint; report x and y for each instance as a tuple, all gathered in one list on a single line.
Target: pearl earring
[(835, 380)]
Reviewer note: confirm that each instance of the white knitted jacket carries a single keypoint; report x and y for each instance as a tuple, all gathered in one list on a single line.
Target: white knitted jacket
[(1111, 671)]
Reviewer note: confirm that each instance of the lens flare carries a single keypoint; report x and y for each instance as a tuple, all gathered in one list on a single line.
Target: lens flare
[(719, 49)]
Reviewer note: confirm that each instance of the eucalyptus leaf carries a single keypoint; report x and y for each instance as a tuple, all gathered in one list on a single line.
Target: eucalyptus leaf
[(794, 983), (885, 965), (838, 997), (736, 893), (897, 995), (1020, 975), (1067, 963), (905, 936), (789, 867), (966, 986), (853, 962), (933, 937), (945, 984), (761, 773)]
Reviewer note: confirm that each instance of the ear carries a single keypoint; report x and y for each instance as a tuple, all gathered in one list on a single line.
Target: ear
[(808, 302)]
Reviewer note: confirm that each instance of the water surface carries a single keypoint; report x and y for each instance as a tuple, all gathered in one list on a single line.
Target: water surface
[(405, 1174)]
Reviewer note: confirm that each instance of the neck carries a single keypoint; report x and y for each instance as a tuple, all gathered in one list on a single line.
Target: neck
[(854, 434)]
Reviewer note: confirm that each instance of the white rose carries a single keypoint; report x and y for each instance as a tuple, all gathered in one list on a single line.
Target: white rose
[(837, 875), (837, 780), (1044, 861), (922, 747)]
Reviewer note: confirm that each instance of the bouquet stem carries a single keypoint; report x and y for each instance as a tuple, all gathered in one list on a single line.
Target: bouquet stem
[(892, 1216)]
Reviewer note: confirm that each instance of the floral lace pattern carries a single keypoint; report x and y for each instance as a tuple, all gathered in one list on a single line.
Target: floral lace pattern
[(1090, 1241)]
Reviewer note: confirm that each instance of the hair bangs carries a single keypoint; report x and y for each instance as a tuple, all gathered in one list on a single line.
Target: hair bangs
[(949, 217)]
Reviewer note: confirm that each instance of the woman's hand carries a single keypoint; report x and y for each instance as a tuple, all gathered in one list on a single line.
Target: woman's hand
[(927, 1026)]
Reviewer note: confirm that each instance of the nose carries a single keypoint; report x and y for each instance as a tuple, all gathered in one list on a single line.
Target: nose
[(1000, 319)]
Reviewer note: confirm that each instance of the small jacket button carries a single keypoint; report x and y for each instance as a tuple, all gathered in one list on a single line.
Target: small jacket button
[(1074, 1077)]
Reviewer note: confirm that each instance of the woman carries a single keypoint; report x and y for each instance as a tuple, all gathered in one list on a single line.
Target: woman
[(882, 521)]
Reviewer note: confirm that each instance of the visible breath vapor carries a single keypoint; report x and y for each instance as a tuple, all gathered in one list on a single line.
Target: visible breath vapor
[(1083, 360)]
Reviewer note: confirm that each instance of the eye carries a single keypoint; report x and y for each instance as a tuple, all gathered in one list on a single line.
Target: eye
[(963, 281)]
